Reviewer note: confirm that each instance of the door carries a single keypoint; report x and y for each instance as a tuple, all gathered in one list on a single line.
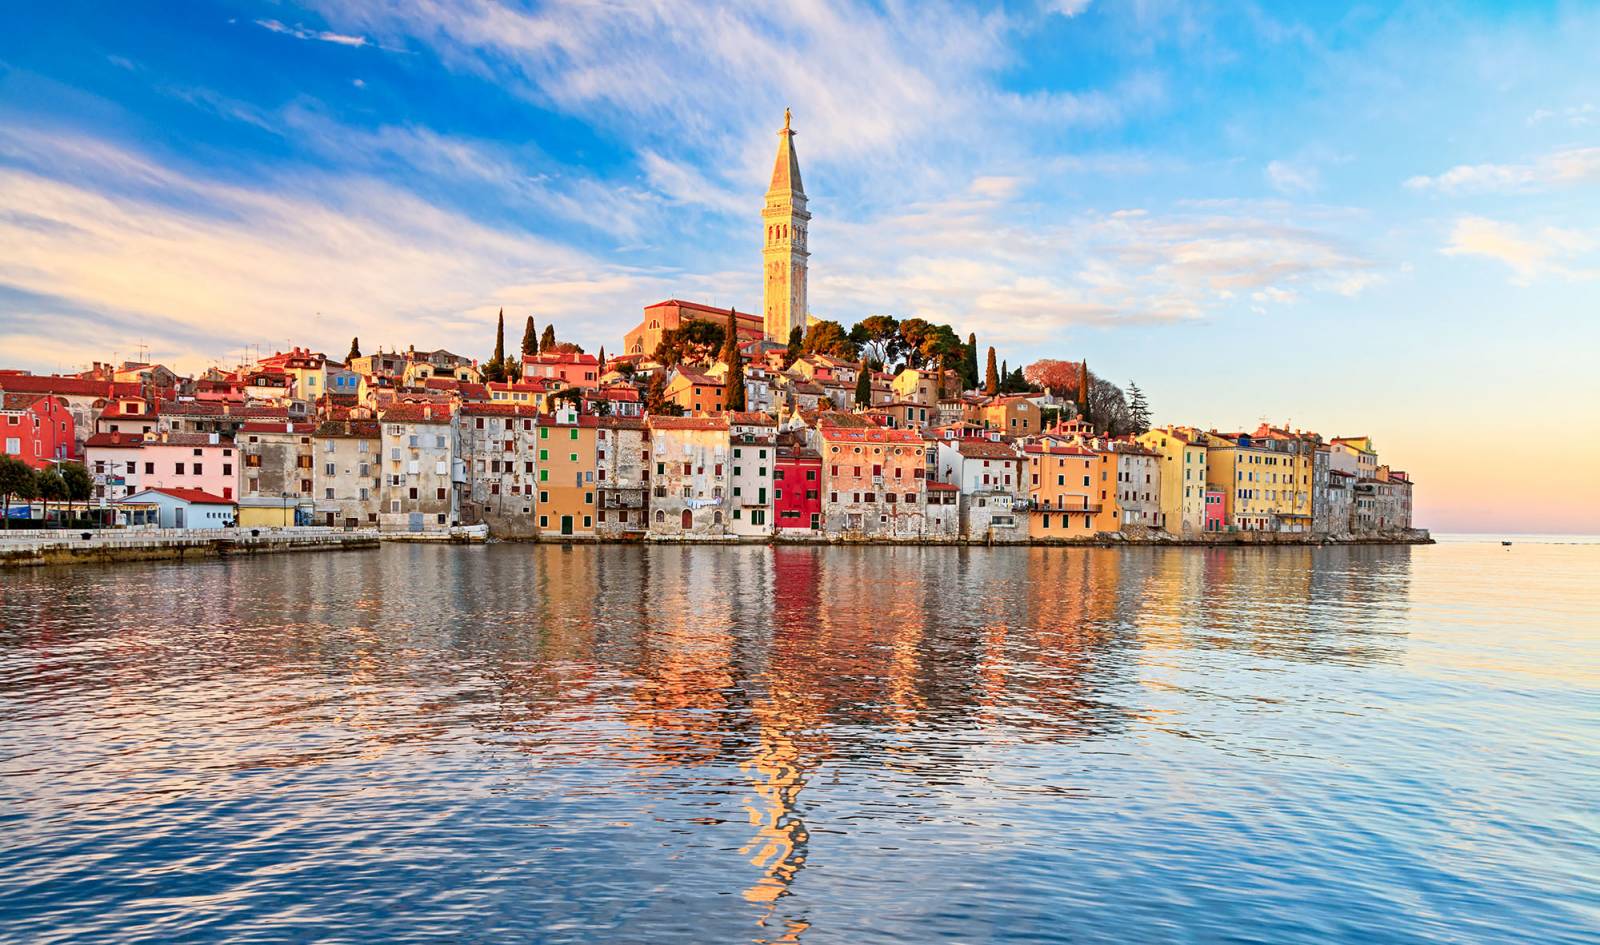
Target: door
[(416, 521), (177, 517), (566, 524), (688, 520)]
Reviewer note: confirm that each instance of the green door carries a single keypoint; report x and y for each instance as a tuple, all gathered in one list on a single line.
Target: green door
[(566, 524)]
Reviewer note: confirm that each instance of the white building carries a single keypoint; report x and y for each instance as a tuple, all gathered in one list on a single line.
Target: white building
[(186, 508), (418, 475)]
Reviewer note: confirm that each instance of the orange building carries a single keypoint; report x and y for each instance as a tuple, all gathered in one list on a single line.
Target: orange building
[(697, 393), (665, 316), (566, 464), (1061, 485)]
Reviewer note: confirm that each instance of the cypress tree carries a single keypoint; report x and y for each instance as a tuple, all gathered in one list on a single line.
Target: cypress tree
[(735, 389), (864, 386), (602, 359), (355, 350), (796, 346), (500, 340), (547, 341), (530, 338), (969, 364), (991, 376), (1005, 379)]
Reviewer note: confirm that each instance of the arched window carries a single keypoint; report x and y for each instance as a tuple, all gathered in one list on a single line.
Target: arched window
[(716, 518), (661, 517)]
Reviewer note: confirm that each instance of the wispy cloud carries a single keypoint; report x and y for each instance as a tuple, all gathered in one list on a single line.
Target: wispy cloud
[(1574, 116), (1530, 252), (1292, 179), (1558, 169), (301, 32), (211, 266)]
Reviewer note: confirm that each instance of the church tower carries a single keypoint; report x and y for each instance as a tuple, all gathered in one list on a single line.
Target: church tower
[(783, 254)]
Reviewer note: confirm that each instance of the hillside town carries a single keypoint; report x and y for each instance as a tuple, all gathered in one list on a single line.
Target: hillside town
[(706, 423)]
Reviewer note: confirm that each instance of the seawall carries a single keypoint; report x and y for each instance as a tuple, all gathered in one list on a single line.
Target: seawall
[(111, 547)]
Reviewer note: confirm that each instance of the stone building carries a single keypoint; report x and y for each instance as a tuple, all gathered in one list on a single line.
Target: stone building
[(990, 477), (347, 481), (1331, 491), (622, 477), (1138, 485), (276, 482), (497, 445), (419, 491), (874, 482), (689, 482)]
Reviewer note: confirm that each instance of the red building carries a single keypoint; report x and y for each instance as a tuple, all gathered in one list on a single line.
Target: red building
[(37, 429), (1216, 518), (797, 490)]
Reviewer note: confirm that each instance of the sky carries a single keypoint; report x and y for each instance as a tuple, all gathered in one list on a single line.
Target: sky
[(1362, 219)]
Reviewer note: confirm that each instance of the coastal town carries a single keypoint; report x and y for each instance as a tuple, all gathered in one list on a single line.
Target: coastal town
[(705, 423)]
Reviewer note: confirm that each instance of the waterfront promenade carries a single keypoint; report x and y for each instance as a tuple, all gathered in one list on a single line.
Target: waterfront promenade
[(35, 548)]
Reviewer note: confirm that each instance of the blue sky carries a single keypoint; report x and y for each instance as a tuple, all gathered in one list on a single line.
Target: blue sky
[(1374, 219)]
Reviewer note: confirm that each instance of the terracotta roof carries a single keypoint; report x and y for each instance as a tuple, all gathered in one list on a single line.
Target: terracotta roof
[(868, 434), (942, 487), (77, 386), (19, 402), (192, 496), (350, 429), (122, 440), (416, 413), (750, 418), (561, 357), (1057, 450), (622, 423), (689, 423), (984, 449), (743, 316), (499, 410)]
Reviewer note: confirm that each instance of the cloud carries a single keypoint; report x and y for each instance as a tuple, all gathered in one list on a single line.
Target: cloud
[(1529, 253), (206, 267), (974, 263), (1575, 116), (1068, 8), (1290, 179), (301, 32), (1560, 168)]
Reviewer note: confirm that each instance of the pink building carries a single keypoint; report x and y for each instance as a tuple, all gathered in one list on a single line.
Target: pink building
[(123, 464), (1216, 519)]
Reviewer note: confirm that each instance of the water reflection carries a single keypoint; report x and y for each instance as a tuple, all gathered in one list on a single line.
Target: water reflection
[(611, 742)]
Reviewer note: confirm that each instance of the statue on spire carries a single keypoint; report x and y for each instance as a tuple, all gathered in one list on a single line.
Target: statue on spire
[(785, 118)]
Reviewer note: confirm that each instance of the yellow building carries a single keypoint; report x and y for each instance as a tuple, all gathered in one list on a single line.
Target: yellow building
[(1012, 414), (566, 482), (1237, 467), (1182, 454), (1289, 472), (1061, 486)]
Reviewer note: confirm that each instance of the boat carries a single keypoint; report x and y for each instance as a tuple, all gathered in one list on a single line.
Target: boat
[(1506, 544)]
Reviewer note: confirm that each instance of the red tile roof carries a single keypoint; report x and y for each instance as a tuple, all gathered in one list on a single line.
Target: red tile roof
[(77, 386), (122, 440), (689, 423), (192, 496), (984, 449), (416, 413)]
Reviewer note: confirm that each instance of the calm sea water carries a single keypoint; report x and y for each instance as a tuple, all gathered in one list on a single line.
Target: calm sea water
[(852, 745)]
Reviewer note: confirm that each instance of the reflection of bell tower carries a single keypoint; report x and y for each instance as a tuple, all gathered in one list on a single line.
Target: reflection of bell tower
[(783, 254)]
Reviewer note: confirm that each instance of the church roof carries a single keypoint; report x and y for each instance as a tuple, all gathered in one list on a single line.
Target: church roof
[(786, 169)]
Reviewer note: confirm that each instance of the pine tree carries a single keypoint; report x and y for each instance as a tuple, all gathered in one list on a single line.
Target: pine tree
[(547, 341), (864, 386), (355, 350), (969, 364), (991, 376), (530, 338), (1138, 409)]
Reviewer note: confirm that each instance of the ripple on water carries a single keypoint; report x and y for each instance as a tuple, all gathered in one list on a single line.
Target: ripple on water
[(709, 744)]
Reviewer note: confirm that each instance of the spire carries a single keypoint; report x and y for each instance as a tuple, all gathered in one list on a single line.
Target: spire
[(786, 170)]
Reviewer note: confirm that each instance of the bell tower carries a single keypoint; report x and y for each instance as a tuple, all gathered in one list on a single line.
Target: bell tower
[(783, 253)]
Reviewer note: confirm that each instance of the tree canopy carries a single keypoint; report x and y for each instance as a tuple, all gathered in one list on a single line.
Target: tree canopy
[(530, 337), (693, 342), (828, 337)]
